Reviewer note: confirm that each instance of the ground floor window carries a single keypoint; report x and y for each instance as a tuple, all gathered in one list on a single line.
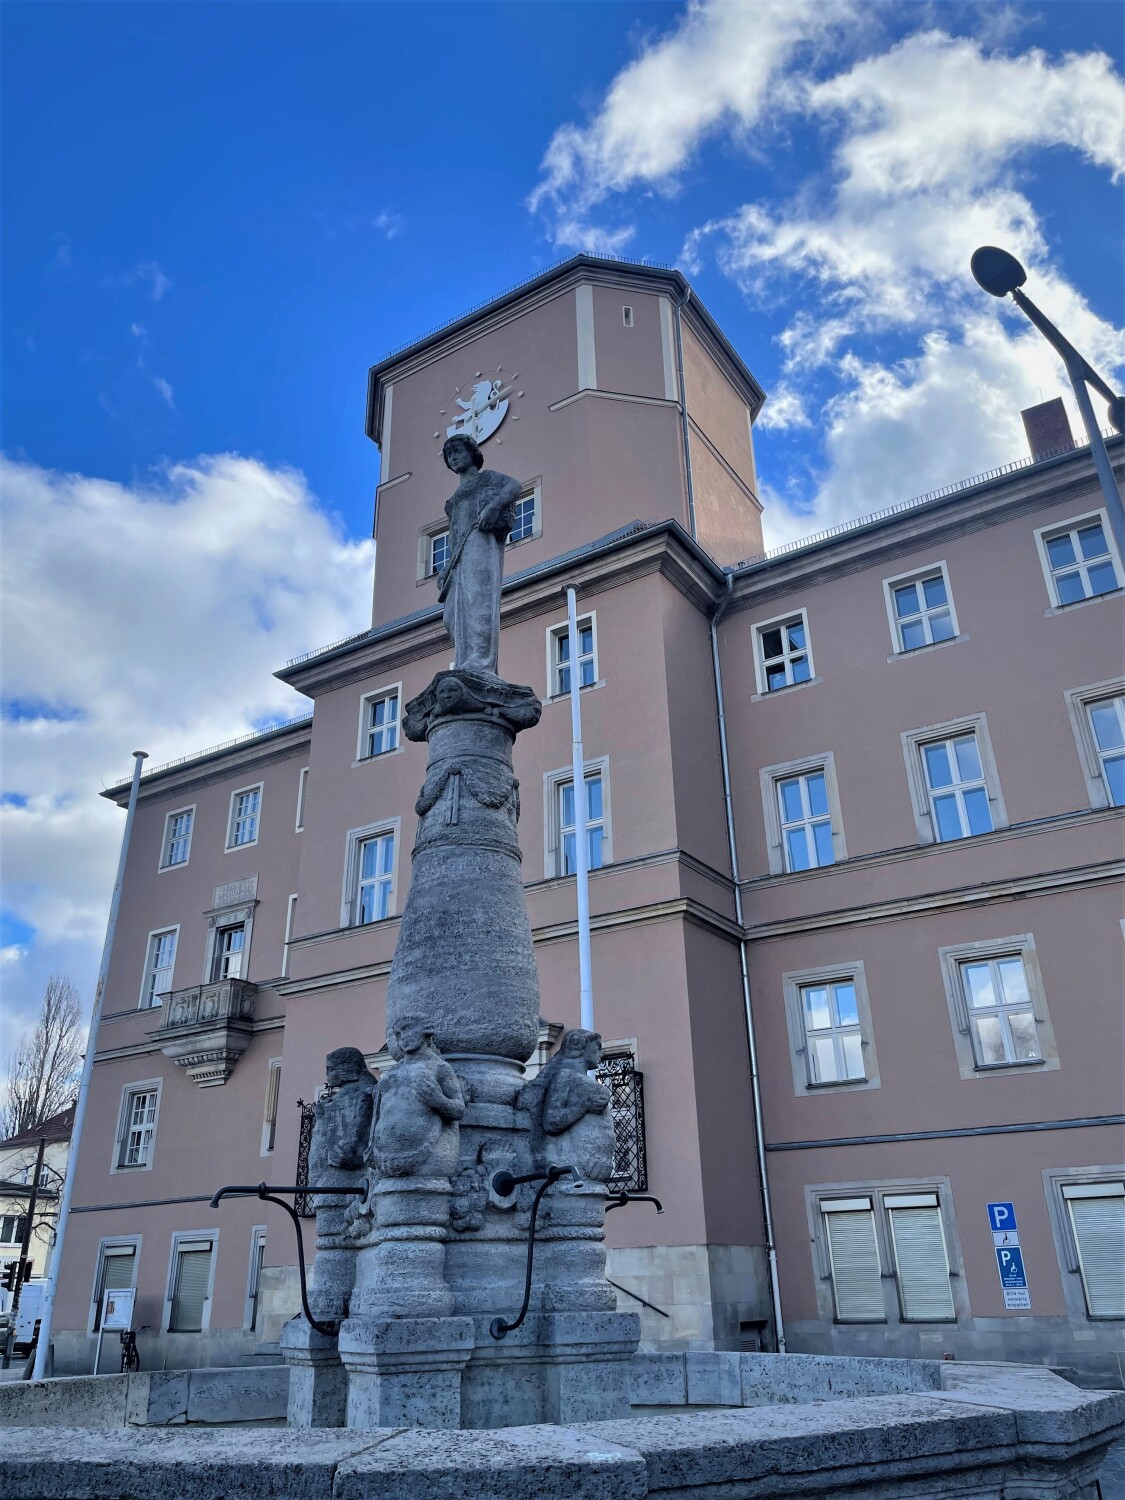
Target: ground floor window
[(191, 1285), (1096, 1213), (869, 1235), (116, 1272)]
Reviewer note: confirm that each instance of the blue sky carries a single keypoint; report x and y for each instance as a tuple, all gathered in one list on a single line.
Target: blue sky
[(217, 216)]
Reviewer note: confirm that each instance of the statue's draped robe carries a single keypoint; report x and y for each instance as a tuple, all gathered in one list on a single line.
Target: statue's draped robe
[(481, 512)]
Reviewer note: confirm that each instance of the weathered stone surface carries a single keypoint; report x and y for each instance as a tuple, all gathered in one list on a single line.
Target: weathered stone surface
[(771, 1378), (238, 1395), (73, 1401), (520, 1463), (832, 1444), (405, 1372), (1047, 1409), (318, 1382), (173, 1463), (480, 511), (657, 1379), (569, 1111), (713, 1379), (420, 1102), (159, 1398), (338, 1158)]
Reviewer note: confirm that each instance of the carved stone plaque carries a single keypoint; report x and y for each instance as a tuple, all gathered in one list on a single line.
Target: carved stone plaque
[(236, 891)]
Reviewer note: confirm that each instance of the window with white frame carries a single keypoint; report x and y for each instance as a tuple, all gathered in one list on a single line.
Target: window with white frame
[(379, 723), (524, 517), (801, 808), (437, 552), (833, 1037), (11, 1229), (558, 649), (370, 883), (229, 957), (805, 820), (302, 787), (595, 824), (116, 1272), (190, 1289), (273, 1094), (906, 1232), (1107, 725), (920, 607), (1096, 1221), (136, 1134), (245, 811), (254, 1275), (1079, 559), (160, 963), (783, 656), (290, 917), (177, 838), (997, 1006), (953, 782)]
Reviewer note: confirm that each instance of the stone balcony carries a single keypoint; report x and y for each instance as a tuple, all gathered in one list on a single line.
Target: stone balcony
[(206, 1029)]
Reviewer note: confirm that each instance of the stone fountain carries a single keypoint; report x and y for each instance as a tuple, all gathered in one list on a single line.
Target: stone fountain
[(417, 1278)]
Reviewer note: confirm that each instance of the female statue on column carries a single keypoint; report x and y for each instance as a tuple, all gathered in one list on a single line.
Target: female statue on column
[(481, 512)]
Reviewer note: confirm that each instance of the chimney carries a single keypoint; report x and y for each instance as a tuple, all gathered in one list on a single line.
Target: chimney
[(1048, 429)]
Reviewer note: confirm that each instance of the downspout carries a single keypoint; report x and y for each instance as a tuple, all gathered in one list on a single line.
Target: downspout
[(50, 1286), (682, 303), (747, 1006)]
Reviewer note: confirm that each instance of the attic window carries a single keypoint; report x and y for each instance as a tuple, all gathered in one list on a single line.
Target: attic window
[(627, 316)]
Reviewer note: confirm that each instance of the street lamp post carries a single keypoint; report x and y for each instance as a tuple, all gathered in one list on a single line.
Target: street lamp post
[(1000, 273)]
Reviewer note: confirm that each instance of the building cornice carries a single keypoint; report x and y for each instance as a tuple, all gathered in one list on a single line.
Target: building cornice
[(200, 770)]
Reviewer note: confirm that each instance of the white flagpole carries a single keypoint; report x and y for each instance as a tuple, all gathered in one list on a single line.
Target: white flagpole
[(581, 837), (47, 1307)]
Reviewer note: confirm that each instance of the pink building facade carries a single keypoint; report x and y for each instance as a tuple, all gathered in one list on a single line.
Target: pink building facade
[(856, 816)]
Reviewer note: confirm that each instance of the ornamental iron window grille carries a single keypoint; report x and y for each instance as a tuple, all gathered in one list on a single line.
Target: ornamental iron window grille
[(304, 1203), (627, 1111)]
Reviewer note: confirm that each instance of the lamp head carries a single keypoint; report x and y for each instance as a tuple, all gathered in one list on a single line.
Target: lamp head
[(996, 271), (1117, 412)]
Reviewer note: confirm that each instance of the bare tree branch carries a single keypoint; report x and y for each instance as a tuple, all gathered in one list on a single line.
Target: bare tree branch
[(43, 1072)]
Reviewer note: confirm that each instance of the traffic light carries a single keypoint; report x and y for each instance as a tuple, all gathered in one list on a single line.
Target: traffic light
[(11, 1271)]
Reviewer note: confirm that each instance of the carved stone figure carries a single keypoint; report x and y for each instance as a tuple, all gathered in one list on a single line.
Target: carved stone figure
[(570, 1122), (420, 1101), (341, 1130), (481, 513)]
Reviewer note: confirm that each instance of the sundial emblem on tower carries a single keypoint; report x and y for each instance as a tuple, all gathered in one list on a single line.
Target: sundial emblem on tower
[(478, 406)]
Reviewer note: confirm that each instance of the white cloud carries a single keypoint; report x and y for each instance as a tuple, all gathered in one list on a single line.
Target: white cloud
[(158, 282), (123, 606), (785, 408), (165, 390), (389, 223), (720, 68), (138, 331)]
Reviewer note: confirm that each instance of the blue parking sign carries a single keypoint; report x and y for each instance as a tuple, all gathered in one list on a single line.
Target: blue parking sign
[(1002, 1216), (1009, 1261)]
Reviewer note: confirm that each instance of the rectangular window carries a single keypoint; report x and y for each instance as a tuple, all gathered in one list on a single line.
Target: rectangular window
[(177, 838), (806, 822), (523, 519), (921, 1258), (138, 1128), (1096, 1213), (375, 862), (595, 824), (957, 788), (833, 1035), (117, 1269), (254, 1278), (1107, 725), (160, 961), (783, 655), (438, 550), (230, 953), (627, 316), (273, 1093), (290, 915), (191, 1286), (920, 609), (1001, 1015), (245, 809), (853, 1257), (11, 1229), (380, 728), (302, 786), (559, 648), (1078, 559)]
